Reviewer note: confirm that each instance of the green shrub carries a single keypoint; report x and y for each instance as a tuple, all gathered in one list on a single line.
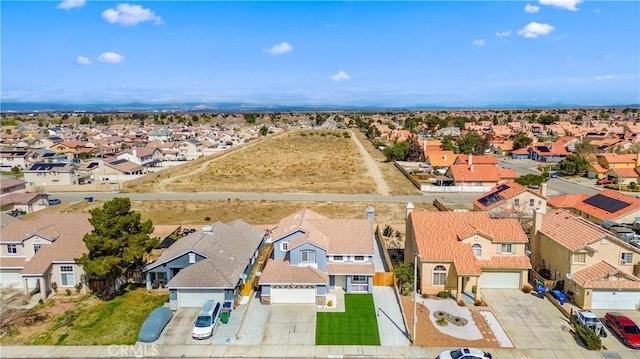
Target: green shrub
[(444, 294), (590, 339), (474, 289)]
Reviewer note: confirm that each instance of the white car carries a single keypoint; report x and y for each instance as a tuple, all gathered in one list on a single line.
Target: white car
[(464, 353)]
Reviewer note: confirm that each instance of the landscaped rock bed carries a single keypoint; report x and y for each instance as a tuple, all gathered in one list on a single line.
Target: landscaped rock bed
[(442, 318)]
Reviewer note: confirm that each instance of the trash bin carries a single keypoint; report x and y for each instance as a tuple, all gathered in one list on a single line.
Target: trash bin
[(224, 316), (89, 199), (540, 289)]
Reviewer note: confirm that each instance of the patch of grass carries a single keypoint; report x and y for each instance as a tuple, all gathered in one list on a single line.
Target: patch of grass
[(93, 322), (358, 325)]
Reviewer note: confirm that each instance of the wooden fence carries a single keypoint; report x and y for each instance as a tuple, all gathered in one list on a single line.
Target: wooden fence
[(383, 279)]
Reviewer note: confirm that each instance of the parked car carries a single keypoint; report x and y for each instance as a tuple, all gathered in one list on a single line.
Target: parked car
[(589, 320), (206, 320), (464, 353), (155, 323), (624, 328), (54, 201), (604, 181)]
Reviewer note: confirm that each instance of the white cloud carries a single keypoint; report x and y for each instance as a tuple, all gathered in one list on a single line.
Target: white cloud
[(531, 9), (563, 4), (535, 29), (503, 33), (81, 60), (606, 77), (479, 42), (70, 4), (126, 14), (110, 58), (340, 76), (280, 49)]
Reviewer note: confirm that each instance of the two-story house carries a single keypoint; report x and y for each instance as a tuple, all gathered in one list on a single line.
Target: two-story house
[(512, 200), (313, 254), (38, 252), (143, 156), (466, 252), (13, 158), (207, 264), (599, 269), (54, 174), (13, 197)]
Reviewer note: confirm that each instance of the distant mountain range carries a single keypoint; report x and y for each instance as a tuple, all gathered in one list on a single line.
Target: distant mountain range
[(28, 107)]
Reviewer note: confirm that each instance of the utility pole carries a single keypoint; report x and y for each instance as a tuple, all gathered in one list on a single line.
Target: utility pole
[(415, 295)]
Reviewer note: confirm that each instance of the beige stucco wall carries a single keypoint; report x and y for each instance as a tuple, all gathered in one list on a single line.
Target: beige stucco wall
[(50, 178), (57, 277), (28, 246), (629, 218)]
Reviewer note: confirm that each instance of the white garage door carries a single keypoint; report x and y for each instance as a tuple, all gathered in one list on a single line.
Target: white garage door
[(603, 299), (293, 294), (500, 280), (194, 298), (11, 278)]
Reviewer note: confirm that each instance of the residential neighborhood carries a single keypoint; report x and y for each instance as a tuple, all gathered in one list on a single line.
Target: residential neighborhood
[(506, 224)]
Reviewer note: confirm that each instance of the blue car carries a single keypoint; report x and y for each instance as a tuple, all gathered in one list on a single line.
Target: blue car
[(54, 201)]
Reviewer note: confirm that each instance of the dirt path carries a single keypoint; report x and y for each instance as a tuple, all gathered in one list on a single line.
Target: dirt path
[(372, 167)]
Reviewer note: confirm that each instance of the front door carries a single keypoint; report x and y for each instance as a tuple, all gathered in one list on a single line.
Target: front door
[(341, 282)]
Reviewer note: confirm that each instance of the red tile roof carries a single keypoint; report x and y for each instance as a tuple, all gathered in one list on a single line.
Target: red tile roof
[(625, 172), (515, 262), (438, 236), (603, 275), (570, 231), (477, 160), (475, 173)]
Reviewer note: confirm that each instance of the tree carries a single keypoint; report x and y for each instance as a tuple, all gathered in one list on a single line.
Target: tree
[(250, 118), (414, 151), (531, 179), (404, 273), (473, 143), (521, 141), (584, 148), (12, 309), (118, 241), (264, 130), (447, 143), (574, 165), (397, 151)]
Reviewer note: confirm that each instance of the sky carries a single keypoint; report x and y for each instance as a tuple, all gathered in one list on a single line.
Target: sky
[(349, 53)]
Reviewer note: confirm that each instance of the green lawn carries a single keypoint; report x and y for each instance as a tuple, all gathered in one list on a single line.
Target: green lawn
[(97, 322), (356, 326)]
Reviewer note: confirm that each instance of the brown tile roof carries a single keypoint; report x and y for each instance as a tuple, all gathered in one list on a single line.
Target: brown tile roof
[(336, 236), (350, 268), (204, 274), (12, 262), (282, 272), (71, 228), (603, 275), (438, 236), (21, 198), (7, 182), (514, 261)]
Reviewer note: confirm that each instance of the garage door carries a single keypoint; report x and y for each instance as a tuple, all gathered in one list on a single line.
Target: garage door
[(293, 294), (11, 278), (194, 298), (500, 280), (603, 299)]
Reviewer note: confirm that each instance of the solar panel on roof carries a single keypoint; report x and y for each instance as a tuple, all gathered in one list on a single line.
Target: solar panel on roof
[(46, 166), (117, 162), (49, 154), (92, 165), (605, 203)]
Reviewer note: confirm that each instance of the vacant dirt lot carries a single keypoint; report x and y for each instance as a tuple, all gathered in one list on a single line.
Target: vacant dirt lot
[(309, 161), (254, 212)]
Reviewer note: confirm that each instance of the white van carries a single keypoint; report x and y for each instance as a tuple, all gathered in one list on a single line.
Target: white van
[(206, 320)]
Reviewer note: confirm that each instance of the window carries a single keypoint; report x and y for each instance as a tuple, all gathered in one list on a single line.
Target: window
[(36, 247), (66, 274), (507, 248), (532, 202), (626, 258), (516, 202), (580, 258), (338, 258), (439, 275), (192, 257), (359, 279), (308, 256), (12, 249), (477, 250), (284, 246), (358, 258)]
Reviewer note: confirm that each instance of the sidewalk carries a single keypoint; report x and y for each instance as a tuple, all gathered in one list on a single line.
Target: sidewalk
[(256, 351), (390, 322)]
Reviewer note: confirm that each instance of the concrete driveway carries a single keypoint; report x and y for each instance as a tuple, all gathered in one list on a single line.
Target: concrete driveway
[(612, 341), (530, 322), (178, 331), (278, 324)]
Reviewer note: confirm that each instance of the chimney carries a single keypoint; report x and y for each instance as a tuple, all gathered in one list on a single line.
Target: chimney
[(445, 156), (409, 208), (471, 160), (135, 152), (424, 148), (537, 222), (543, 190), (370, 213)]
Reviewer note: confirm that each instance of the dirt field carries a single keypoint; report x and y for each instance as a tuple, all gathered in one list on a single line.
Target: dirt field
[(193, 213), (309, 161)]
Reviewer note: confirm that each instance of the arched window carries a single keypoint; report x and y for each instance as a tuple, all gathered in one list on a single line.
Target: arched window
[(477, 250), (439, 275)]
